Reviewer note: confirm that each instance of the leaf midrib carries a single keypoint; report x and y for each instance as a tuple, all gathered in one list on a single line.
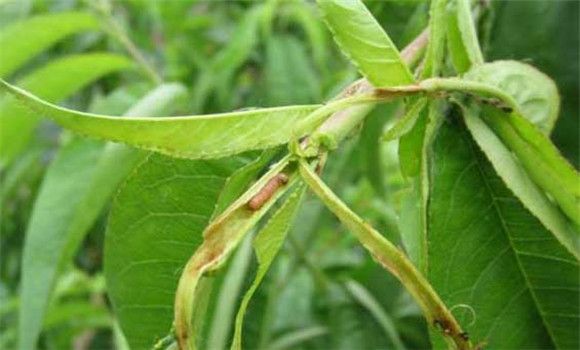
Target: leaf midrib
[(506, 230)]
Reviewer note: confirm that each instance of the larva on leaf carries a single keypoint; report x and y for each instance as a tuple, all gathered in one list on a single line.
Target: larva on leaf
[(267, 191)]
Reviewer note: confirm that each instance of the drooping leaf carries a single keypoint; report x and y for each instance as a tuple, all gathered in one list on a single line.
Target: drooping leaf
[(53, 82), (540, 158), (535, 93), (390, 258), (462, 37), (490, 259), (155, 225), (23, 40), (518, 181), (65, 210), (362, 40), (267, 244), (206, 136)]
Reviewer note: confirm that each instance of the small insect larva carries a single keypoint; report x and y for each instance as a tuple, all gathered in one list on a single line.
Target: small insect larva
[(267, 191)]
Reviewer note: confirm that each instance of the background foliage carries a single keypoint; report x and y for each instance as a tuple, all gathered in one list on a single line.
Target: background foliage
[(322, 291)]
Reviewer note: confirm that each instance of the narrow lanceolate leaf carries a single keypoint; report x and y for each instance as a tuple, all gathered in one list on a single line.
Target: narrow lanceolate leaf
[(156, 224), (411, 145), (390, 258), (405, 124), (535, 93), (267, 244), (220, 238), (435, 54), (362, 40), (206, 136), (519, 182), (53, 82), (462, 37), (491, 259), (541, 159), (65, 210), (22, 41)]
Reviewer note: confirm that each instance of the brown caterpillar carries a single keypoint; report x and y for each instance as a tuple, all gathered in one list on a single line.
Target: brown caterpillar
[(267, 191)]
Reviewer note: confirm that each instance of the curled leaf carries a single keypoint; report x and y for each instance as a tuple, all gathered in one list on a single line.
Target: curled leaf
[(536, 94)]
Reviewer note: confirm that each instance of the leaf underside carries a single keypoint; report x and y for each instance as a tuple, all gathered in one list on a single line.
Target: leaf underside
[(363, 40), (196, 137), (53, 82)]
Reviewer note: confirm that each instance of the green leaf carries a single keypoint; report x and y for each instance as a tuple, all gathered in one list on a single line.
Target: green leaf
[(405, 124), (411, 224), (411, 145), (53, 82), (267, 244), (23, 40), (518, 181), (220, 238), (184, 137), (435, 54), (371, 155), (540, 158), (535, 93), (462, 37), (510, 282), (156, 223), (230, 292), (64, 211), (365, 43), (389, 257)]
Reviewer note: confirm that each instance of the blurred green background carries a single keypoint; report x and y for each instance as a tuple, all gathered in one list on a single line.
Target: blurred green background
[(323, 291)]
